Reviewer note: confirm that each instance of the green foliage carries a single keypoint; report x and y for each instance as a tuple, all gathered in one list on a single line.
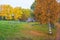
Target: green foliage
[(33, 5), (33, 8)]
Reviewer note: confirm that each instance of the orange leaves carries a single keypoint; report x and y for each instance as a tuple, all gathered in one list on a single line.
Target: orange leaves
[(46, 11)]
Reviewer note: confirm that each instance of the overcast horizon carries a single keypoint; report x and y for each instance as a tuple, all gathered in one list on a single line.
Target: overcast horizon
[(19, 3)]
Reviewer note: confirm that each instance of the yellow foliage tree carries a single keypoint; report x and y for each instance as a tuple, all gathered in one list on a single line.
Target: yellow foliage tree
[(6, 11), (17, 11), (26, 14)]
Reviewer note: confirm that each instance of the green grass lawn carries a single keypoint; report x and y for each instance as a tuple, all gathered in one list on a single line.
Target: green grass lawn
[(15, 30)]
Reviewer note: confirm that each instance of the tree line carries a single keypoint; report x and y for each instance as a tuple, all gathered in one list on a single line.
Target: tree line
[(7, 12)]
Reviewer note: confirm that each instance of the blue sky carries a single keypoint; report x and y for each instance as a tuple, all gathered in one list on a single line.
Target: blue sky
[(21, 3)]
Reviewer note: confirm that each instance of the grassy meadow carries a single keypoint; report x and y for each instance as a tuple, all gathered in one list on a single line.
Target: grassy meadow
[(16, 30)]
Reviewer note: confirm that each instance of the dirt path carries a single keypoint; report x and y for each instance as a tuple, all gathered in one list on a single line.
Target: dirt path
[(34, 33), (57, 31)]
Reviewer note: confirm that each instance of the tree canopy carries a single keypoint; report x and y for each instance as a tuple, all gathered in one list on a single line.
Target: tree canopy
[(14, 13), (46, 11)]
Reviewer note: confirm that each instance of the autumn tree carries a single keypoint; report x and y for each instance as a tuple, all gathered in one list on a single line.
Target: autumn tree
[(6, 11), (59, 12), (46, 11), (9, 13), (26, 14), (17, 12)]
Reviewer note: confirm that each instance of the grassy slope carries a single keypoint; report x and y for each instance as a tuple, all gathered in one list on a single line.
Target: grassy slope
[(15, 30)]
